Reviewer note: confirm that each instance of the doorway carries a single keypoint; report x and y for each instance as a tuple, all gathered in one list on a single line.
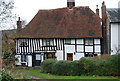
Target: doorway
[(36, 59), (70, 56)]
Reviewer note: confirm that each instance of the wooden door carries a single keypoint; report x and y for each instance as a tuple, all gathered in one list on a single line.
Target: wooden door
[(70, 56)]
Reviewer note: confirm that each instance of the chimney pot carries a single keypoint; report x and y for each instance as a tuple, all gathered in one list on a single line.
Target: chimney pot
[(18, 18), (103, 3), (97, 10), (70, 3)]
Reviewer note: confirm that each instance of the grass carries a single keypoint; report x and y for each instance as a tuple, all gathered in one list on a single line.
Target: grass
[(38, 73)]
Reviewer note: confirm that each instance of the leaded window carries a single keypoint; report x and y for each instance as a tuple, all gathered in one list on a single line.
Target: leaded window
[(88, 41)]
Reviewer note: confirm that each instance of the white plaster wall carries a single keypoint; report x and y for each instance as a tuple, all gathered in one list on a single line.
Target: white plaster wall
[(114, 38), (18, 62), (59, 55), (77, 56), (69, 49), (80, 48), (29, 60)]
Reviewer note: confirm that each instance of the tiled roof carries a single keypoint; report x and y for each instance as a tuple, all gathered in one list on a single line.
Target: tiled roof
[(79, 22), (113, 14)]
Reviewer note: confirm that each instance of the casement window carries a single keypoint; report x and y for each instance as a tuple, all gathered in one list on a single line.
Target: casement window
[(88, 41), (23, 58), (48, 42), (67, 41)]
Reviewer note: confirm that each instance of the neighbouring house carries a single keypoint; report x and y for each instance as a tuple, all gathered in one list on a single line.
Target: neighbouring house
[(113, 25), (65, 34)]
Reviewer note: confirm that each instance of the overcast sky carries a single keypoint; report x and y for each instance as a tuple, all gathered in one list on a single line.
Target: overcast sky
[(28, 8)]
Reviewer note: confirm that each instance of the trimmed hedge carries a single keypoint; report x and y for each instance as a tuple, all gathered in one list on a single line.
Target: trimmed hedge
[(47, 65), (100, 65)]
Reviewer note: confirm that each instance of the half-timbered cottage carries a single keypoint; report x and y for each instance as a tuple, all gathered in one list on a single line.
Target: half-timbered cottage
[(64, 34)]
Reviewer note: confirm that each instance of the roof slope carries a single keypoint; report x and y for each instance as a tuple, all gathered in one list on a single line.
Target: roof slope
[(79, 22), (113, 14)]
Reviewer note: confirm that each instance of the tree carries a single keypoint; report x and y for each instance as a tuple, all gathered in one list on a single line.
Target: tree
[(7, 16)]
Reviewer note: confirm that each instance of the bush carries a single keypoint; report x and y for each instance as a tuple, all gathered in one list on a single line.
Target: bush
[(47, 65), (88, 65), (61, 67), (5, 77), (114, 64), (100, 65), (6, 55), (76, 68)]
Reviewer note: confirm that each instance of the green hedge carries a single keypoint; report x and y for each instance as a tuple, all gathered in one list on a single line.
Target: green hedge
[(47, 65), (100, 65)]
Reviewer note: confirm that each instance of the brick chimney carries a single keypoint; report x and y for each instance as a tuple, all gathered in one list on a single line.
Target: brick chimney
[(104, 29), (97, 10), (19, 25), (70, 3)]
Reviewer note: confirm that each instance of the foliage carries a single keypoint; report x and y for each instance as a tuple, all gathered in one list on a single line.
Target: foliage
[(61, 68), (6, 55), (101, 65), (47, 65), (6, 77)]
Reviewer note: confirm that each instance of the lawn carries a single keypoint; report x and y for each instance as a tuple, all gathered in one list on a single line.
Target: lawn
[(38, 73)]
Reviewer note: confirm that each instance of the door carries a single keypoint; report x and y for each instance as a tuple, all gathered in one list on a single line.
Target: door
[(36, 59), (70, 56)]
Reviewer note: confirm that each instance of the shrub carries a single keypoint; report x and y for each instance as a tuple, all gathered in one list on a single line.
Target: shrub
[(114, 64), (6, 55), (99, 65), (6, 77), (47, 65), (61, 67), (88, 65), (76, 68)]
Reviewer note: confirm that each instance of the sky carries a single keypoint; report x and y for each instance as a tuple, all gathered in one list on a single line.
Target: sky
[(27, 9)]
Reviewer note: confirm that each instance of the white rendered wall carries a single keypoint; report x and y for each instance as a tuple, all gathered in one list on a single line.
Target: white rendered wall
[(29, 61), (114, 38), (59, 55), (18, 62), (77, 56)]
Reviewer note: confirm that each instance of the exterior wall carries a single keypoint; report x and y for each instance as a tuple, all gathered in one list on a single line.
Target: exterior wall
[(77, 47), (59, 54), (29, 60), (115, 39)]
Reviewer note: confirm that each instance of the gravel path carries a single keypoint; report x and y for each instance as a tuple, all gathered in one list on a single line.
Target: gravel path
[(37, 79)]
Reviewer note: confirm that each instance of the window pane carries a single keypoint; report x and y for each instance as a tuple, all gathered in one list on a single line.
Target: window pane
[(38, 57), (88, 41), (67, 41)]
